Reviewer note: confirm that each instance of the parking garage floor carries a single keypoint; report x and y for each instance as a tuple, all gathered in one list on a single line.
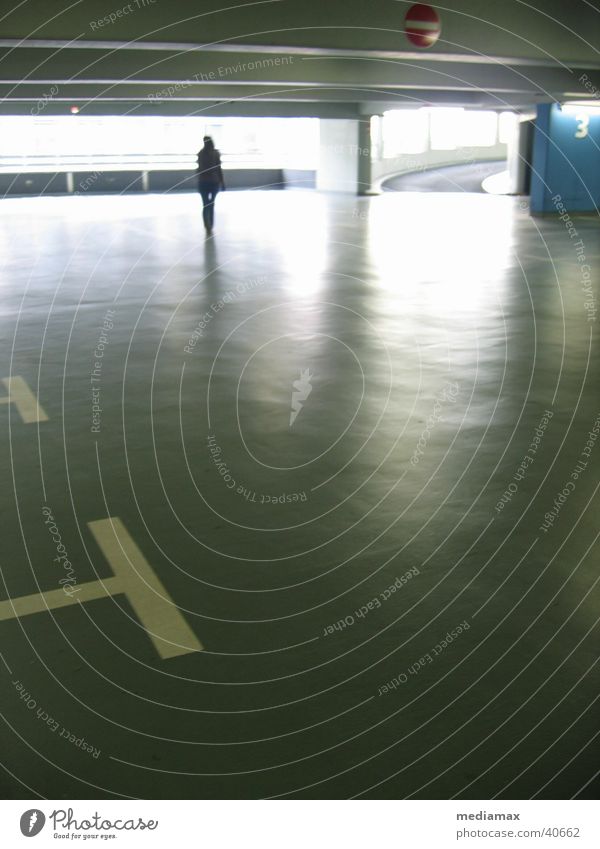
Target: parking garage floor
[(307, 509)]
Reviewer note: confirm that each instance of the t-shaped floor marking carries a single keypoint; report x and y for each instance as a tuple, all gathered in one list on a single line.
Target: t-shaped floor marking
[(135, 578), (24, 400)]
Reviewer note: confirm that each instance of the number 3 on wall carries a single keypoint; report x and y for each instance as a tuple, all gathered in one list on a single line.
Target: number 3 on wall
[(583, 123)]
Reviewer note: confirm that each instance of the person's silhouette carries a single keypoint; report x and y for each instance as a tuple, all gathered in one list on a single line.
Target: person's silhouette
[(210, 181)]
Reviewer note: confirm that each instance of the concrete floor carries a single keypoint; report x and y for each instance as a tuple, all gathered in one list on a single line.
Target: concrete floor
[(437, 329)]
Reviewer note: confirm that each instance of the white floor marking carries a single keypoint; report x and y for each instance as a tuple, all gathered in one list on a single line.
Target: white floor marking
[(133, 577), (25, 605), (24, 400)]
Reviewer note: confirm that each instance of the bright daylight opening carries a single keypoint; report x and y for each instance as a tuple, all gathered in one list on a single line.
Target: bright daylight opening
[(412, 131), (78, 142)]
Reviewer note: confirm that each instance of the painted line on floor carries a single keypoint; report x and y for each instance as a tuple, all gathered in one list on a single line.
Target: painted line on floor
[(134, 578), (24, 400)]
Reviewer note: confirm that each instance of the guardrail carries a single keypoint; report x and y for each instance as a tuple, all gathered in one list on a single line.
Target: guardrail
[(111, 180), (15, 164)]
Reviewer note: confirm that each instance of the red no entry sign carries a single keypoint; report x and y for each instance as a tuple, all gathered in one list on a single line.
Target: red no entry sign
[(422, 25)]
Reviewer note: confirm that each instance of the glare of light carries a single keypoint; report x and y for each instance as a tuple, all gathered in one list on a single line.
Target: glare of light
[(441, 253), (497, 184), (405, 131), (155, 142), (444, 127), (575, 107), (477, 128), (301, 235)]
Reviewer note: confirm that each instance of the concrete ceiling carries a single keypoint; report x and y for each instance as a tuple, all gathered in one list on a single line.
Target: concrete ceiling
[(291, 57)]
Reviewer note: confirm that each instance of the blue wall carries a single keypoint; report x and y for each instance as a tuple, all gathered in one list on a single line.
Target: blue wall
[(566, 159)]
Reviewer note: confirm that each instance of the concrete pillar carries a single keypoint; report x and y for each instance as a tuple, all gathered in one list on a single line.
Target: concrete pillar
[(519, 155), (345, 155), (364, 155), (526, 133), (338, 155)]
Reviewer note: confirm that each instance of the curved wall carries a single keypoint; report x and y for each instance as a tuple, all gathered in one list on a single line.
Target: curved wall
[(381, 169)]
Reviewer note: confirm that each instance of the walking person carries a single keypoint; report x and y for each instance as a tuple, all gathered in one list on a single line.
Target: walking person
[(210, 181)]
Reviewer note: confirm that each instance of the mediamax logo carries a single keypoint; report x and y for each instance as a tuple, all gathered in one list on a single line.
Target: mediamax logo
[(32, 822)]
